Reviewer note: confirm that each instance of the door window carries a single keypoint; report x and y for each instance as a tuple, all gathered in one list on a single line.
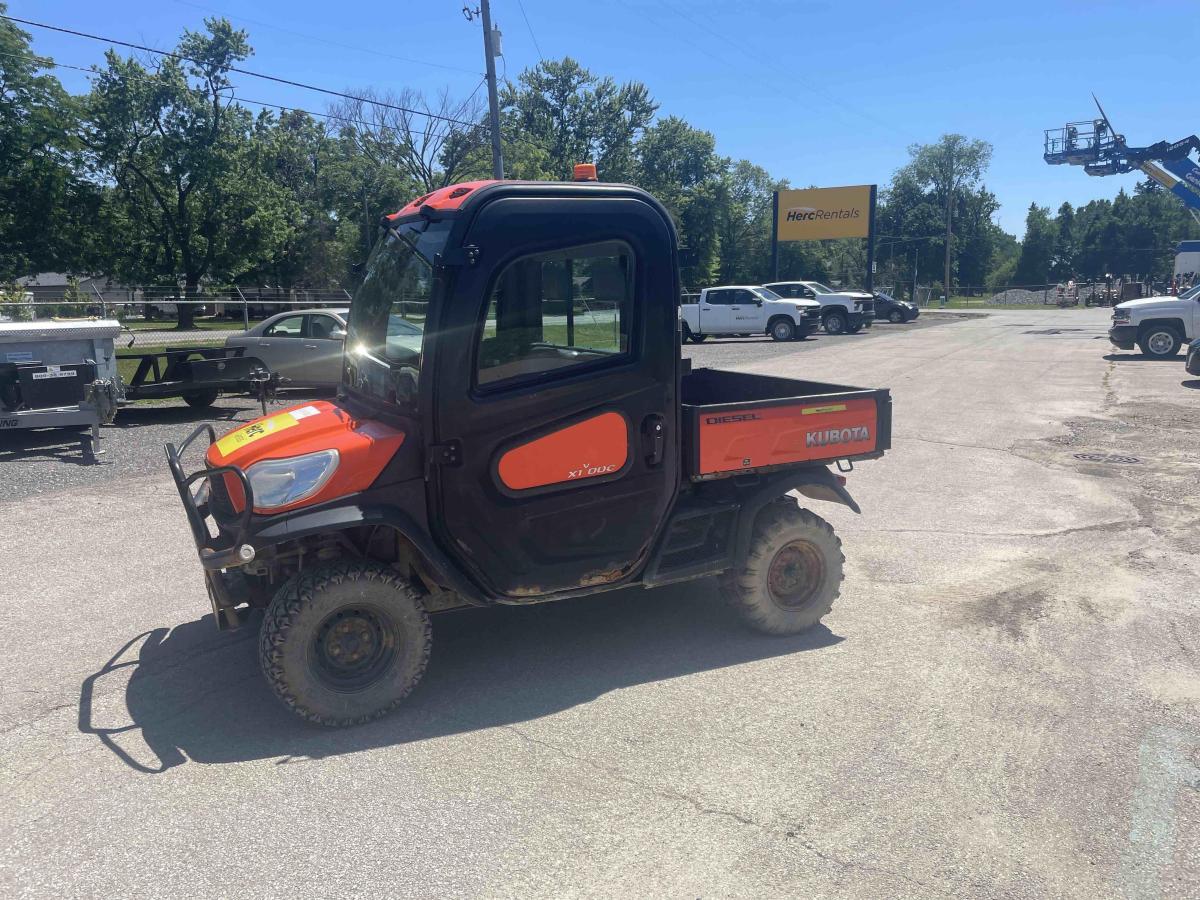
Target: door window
[(720, 298), (289, 326), (559, 310), (321, 328)]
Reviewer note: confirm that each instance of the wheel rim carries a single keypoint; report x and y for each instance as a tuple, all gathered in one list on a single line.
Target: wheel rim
[(1160, 342), (354, 646), (795, 574), (895, 317), (834, 324), (782, 331)]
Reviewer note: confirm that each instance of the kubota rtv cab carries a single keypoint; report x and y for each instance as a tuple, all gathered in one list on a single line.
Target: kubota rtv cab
[(543, 440)]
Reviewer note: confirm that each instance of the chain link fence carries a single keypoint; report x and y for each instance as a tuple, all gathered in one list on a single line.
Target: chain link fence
[(151, 314)]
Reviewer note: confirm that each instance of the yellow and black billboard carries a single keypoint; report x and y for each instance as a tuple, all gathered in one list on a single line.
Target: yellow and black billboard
[(818, 214)]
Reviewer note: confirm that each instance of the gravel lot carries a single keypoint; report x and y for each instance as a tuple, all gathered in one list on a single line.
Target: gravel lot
[(1005, 701)]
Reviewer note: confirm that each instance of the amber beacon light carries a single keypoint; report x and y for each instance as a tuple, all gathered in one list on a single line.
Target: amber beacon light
[(585, 172)]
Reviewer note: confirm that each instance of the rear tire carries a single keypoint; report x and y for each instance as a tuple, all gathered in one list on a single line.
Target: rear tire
[(782, 330), (792, 573), (1159, 341), (835, 323), (201, 399), (344, 643)]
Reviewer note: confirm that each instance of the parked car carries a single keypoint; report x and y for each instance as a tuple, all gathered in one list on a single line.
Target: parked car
[(305, 346), (1158, 326), (1193, 358), (744, 310), (895, 311), (841, 311)]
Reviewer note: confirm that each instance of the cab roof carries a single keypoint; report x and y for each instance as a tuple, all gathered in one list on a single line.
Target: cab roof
[(450, 197)]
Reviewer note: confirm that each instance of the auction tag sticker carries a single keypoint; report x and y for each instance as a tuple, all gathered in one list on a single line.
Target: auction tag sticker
[(248, 434), (304, 412), (20, 356)]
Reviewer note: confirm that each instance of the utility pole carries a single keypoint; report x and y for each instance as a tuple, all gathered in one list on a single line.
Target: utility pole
[(491, 49), (949, 236)]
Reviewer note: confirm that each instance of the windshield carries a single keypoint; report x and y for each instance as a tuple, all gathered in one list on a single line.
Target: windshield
[(767, 294), (818, 287), (387, 316)]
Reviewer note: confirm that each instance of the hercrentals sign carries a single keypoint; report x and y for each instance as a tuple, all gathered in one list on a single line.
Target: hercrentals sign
[(817, 214)]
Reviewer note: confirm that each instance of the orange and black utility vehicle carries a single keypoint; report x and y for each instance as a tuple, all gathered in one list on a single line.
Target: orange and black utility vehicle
[(542, 439)]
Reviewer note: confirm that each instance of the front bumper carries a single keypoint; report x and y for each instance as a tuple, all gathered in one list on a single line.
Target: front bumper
[(229, 548), (810, 324), (1123, 337)]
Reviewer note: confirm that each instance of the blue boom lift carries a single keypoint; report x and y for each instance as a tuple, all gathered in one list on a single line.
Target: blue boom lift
[(1097, 147)]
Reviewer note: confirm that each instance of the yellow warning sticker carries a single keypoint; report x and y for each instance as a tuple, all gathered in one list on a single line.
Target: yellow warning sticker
[(813, 410), (235, 440)]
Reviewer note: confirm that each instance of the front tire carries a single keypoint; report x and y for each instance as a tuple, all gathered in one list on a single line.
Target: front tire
[(783, 330), (896, 317), (1159, 342), (344, 643), (835, 323), (792, 574)]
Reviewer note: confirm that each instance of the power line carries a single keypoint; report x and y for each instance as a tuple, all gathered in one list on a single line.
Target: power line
[(300, 84), (50, 63), (45, 61), (311, 37), (521, 6)]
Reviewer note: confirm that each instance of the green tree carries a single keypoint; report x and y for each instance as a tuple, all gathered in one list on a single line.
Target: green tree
[(43, 200), (679, 165), (743, 216), (565, 115), (1037, 248), (191, 198), (953, 163)]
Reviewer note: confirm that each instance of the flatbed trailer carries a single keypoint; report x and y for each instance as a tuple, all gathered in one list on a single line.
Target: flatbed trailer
[(197, 374)]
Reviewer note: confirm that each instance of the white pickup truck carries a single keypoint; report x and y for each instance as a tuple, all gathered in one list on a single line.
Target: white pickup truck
[(744, 310), (1156, 325), (841, 311)]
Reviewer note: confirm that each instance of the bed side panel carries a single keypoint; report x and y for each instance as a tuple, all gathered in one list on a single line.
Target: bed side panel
[(732, 439)]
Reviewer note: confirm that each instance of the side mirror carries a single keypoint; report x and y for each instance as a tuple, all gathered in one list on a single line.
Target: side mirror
[(338, 334), (758, 301)]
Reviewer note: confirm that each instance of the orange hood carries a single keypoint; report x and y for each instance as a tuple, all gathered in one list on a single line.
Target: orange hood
[(364, 447)]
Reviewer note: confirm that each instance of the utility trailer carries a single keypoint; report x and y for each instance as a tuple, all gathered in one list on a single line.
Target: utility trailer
[(197, 374), (59, 375), (518, 458), (63, 374)]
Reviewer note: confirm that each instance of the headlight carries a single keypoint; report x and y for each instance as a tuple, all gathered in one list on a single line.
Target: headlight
[(280, 482), (1120, 314)]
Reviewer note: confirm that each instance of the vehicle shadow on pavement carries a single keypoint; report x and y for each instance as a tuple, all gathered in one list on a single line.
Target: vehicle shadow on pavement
[(197, 694), (57, 444), (135, 416), (1193, 383)]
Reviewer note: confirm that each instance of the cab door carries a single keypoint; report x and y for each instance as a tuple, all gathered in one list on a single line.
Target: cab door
[(715, 312), (746, 313), (552, 407)]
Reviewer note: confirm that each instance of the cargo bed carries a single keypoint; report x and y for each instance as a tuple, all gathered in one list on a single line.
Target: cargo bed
[(736, 422)]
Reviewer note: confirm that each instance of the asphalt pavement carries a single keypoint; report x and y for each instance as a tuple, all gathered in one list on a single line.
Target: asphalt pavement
[(1005, 701)]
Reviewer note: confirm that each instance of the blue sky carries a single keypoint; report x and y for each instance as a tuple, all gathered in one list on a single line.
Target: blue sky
[(819, 93)]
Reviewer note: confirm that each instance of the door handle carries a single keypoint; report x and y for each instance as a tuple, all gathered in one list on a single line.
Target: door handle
[(264, 343), (654, 439), (310, 347)]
